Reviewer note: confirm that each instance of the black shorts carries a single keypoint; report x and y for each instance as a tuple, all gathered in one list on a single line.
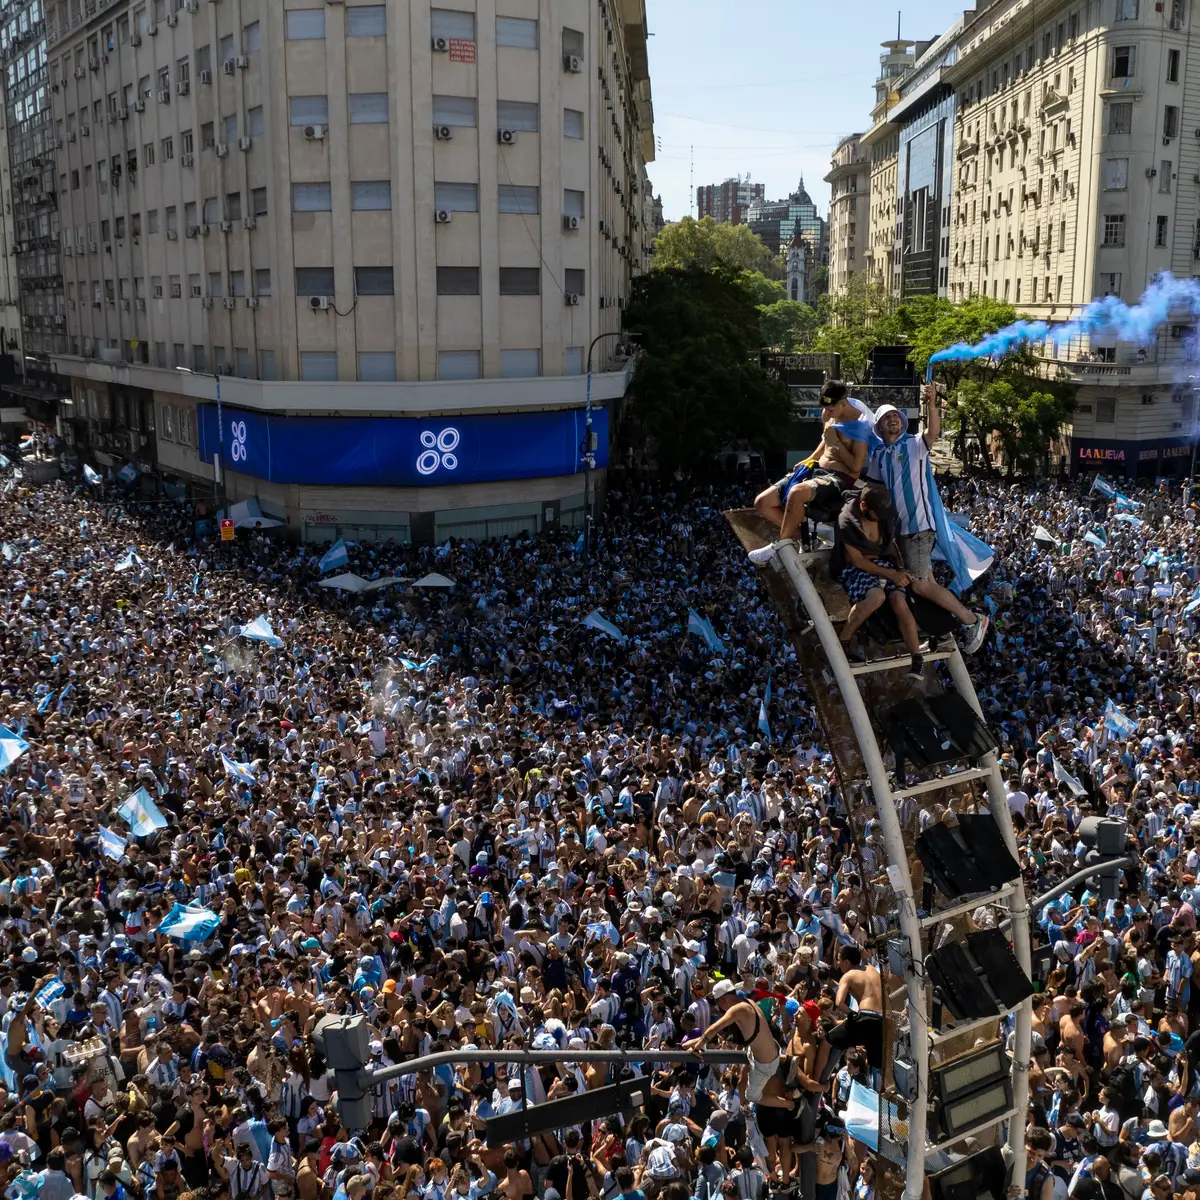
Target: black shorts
[(828, 491), (774, 1122), (863, 1029)]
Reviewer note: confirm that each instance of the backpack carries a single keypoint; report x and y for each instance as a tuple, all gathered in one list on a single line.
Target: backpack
[(1033, 1190)]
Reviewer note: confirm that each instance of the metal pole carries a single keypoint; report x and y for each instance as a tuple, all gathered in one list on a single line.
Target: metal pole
[(218, 465), (1059, 889), (788, 558), (589, 458)]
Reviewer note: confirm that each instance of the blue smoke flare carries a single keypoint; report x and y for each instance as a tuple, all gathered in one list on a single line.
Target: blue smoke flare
[(1138, 323)]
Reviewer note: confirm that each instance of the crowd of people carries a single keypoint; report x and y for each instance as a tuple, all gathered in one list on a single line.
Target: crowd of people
[(480, 823)]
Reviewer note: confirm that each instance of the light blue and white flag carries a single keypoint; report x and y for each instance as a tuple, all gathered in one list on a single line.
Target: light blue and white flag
[(65, 693), (259, 630), (5, 461), (49, 992), (409, 665), (605, 929), (1129, 519), (128, 473), (112, 843), (170, 591), (12, 746), (243, 772), (1064, 776), (45, 702), (129, 560), (336, 557), (764, 724), (142, 814), (1094, 538), (596, 620), (188, 924), (1115, 721), (1109, 492), (702, 627), (93, 477), (578, 547), (8, 552)]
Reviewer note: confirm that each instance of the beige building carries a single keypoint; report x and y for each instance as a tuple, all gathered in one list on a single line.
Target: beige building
[(1077, 176), (393, 208), (849, 182)]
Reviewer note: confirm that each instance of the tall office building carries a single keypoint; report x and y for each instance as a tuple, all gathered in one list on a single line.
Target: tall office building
[(1076, 177), (849, 182), (730, 201), (384, 213), (777, 222)]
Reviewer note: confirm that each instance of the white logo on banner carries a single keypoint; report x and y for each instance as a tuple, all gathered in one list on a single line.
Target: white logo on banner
[(438, 452), (237, 451)]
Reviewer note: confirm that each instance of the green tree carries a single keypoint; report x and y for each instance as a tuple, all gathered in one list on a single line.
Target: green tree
[(854, 321), (787, 325), (708, 244), (698, 385), (1024, 412), (933, 326)]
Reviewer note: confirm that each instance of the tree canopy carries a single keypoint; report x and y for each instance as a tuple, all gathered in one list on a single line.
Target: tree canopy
[(708, 244)]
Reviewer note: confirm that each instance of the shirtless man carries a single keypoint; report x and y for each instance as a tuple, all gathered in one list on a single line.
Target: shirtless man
[(839, 464), (864, 1026), (743, 1023), (833, 1150), (1070, 1029)]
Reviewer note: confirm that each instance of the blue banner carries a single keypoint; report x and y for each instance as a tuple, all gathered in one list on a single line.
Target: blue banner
[(401, 451)]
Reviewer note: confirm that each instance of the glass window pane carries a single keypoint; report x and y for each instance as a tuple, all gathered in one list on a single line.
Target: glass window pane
[(518, 32), (572, 123), (520, 281), (305, 24), (573, 281), (455, 110), (368, 108), (310, 110), (314, 281), (319, 366), (517, 115), (448, 23), (376, 366), (516, 199), (373, 281), (520, 364), (370, 20), (371, 195), (573, 361), (255, 121), (572, 203), (456, 197), (458, 364), (311, 197), (458, 281), (262, 281)]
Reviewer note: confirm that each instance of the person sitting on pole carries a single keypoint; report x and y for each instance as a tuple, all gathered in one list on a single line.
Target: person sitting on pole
[(744, 1024)]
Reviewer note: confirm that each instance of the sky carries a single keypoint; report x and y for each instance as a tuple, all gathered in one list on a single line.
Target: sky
[(767, 86)]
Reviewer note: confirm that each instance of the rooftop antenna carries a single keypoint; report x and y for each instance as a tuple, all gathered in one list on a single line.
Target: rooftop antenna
[(897, 25), (692, 181)]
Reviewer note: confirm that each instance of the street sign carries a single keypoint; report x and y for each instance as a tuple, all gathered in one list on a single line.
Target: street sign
[(226, 530)]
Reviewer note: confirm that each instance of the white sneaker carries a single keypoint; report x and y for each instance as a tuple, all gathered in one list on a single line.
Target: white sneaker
[(764, 554), (978, 633)]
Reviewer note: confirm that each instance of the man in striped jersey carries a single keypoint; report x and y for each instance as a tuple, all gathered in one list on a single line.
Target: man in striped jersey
[(901, 463)]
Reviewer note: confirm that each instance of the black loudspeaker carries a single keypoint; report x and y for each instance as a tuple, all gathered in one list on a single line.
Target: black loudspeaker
[(990, 949), (981, 1176), (937, 729), (957, 979), (949, 863), (987, 846)]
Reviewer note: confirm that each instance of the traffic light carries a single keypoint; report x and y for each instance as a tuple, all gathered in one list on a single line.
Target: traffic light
[(624, 1097), (1105, 839), (345, 1043)]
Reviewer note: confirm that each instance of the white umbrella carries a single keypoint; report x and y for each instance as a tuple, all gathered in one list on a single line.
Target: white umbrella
[(347, 582), (434, 580)]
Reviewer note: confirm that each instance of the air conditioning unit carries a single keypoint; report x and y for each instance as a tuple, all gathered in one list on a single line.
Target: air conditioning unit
[(572, 298), (441, 45), (172, 19), (1176, 22), (506, 137), (206, 76), (230, 302), (243, 62), (444, 216), (251, 301), (249, 223), (226, 226), (206, 301), (141, 305), (192, 5), (122, 114), (80, 73), (570, 222), (197, 291), (172, 235), (183, 87), (93, 64), (164, 96), (605, 228), (93, 247), (187, 159), (158, 291), (573, 63), (112, 117), (139, 105), (314, 133), (205, 230), (222, 149), (85, 131), (125, 305), (136, 39), (244, 143), (152, 30), (443, 133), (319, 303), (193, 230), (228, 66)]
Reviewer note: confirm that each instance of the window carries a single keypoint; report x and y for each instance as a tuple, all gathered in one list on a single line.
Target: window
[(458, 364), (144, 88), (446, 23), (1114, 229), (305, 24), (148, 154), (186, 142), (1160, 231), (1164, 175), (370, 20), (376, 366), (233, 206), (1172, 66), (208, 135), (455, 110), (225, 50), (456, 197), (368, 108), (573, 361), (168, 149), (572, 123), (251, 37), (319, 366), (516, 199), (256, 124), (1127, 10), (572, 43), (374, 195), (516, 114), (212, 210), (309, 110), (572, 203), (373, 281), (183, 72), (1072, 32), (1124, 61), (262, 282), (237, 283), (266, 364), (1120, 117), (1116, 174), (152, 221), (520, 281), (258, 201), (311, 197), (172, 219), (520, 364), (1106, 410), (199, 360), (458, 281), (314, 281), (1170, 121), (517, 32), (230, 130), (166, 424), (574, 280), (214, 285)]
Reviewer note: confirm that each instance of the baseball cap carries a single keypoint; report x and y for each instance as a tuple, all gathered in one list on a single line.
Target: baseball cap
[(723, 987)]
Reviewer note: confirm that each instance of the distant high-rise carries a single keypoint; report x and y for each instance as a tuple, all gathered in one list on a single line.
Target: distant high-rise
[(729, 201), (777, 221)]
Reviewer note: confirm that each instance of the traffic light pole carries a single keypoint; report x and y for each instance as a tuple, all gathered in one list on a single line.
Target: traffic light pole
[(1088, 872)]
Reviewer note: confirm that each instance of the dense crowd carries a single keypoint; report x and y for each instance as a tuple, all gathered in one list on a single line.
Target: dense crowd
[(480, 823)]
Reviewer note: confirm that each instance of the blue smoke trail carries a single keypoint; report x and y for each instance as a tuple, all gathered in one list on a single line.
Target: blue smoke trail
[(1138, 323)]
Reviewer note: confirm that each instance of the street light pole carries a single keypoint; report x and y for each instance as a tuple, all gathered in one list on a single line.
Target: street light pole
[(218, 464), (587, 451)]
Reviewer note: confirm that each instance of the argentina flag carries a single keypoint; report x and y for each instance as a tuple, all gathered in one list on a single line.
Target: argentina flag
[(1115, 721), (188, 924), (49, 992), (91, 476), (336, 557), (12, 746), (112, 843), (142, 814), (243, 772), (702, 628)]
